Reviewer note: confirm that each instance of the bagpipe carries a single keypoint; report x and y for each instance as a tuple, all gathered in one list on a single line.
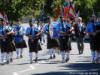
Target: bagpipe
[(18, 31), (10, 36)]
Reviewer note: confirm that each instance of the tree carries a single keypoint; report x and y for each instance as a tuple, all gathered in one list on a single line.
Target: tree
[(15, 9), (97, 7)]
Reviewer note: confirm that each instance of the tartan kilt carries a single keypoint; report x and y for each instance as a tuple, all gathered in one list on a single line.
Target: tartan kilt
[(20, 44), (92, 45), (7, 46), (34, 45), (97, 42), (64, 43), (51, 43)]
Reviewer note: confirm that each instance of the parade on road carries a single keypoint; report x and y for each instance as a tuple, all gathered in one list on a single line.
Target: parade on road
[(61, 40)]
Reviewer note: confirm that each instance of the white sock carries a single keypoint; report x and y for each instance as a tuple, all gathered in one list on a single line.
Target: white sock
[(21, 51), (17, 52), (93, 55), (11, 55), (30, 55), (2, 57), (57, 51), (7, 56), (63, 56), (51, 52)]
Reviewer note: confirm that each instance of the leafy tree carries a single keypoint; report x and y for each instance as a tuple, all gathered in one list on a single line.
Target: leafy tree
[(15, 9)]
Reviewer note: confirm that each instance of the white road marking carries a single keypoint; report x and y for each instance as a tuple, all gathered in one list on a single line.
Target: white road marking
[(31, 68), (43, 62), (14, 73)]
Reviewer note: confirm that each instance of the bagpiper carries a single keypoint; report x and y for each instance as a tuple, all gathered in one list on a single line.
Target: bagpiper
[(63, 40), (90, 30), (52, 36), (33, 41), (6, 43), (10, 37), (19, 39)]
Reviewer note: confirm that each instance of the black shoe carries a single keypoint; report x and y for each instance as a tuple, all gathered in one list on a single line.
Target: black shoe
[(67, 60), (36, 59), (50, 57), (21, 56), (7, 62), (54, 56)]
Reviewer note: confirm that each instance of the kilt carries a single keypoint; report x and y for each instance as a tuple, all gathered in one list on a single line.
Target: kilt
[(92, 45), (64, 43), (20, 44), (97, 42), (7, 46), (34, 45), (51, 43)]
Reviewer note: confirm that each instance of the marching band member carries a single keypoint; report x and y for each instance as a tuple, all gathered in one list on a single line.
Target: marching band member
[(52, 36), (91, 32), (5, 41), (19, 39), (33, 42), (10, 37), (2, 36), (63, 40), (97, 42)]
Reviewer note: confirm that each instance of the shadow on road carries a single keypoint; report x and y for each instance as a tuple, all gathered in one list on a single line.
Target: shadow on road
[(82, 67), (76, 69), (59, 73)]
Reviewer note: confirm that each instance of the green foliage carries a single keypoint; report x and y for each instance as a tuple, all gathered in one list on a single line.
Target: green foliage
[(15, 9), (86, 7)]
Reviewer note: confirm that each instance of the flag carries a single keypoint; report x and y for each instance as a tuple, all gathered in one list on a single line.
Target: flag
[(71, 11), (56, 11), (66, 9)]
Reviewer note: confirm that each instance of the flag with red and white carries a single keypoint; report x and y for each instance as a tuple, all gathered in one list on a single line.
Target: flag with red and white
[(71, 11)]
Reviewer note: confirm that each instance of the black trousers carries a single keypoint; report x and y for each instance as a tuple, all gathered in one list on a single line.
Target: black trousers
[(80, 43)]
